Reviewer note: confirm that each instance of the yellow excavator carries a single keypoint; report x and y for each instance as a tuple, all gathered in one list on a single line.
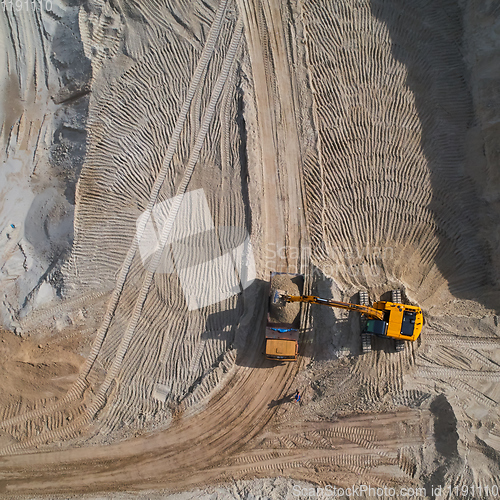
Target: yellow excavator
[(395, 320)]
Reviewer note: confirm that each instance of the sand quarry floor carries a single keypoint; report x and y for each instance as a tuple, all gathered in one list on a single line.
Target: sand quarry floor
[(160, 159)]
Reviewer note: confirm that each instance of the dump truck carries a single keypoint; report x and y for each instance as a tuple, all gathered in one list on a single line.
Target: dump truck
[(385, 319), (283, 320)]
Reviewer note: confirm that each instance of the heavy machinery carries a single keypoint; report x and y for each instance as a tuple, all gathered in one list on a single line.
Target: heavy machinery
[(282, 341), (282, 328), (394, 320)]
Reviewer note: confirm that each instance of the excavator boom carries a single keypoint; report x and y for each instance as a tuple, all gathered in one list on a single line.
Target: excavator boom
[(311, 299)]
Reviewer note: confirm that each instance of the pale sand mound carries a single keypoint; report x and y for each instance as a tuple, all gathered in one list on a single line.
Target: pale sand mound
[(285, 312), (43, 109), (173, 352)]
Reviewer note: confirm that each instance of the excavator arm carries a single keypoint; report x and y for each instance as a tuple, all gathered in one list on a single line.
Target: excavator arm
[(311, 299)]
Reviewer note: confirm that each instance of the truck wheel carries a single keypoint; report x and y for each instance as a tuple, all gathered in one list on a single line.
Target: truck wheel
[(366, 343)]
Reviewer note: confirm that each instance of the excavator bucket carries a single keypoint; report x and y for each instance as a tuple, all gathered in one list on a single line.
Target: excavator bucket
[(278, 298)]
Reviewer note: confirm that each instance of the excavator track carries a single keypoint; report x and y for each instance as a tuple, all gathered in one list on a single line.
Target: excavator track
[(366, 343), (366, 339), (363, 298), (399, 345)]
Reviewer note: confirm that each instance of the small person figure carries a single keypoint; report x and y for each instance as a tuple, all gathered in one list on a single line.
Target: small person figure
[(297, 396)]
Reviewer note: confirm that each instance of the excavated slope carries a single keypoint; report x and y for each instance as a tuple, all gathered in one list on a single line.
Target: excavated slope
[(389, 200)]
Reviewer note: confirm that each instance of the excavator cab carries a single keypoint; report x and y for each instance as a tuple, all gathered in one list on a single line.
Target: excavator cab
[(376, 327), (403, 321)]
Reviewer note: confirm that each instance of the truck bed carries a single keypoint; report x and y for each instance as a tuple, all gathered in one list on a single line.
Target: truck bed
[(286, 315)]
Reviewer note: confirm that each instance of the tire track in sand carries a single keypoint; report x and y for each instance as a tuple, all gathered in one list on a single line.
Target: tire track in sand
[(193, 159), (76, 391), (391, 108), (234, 427), (100, 399), (276, 100)]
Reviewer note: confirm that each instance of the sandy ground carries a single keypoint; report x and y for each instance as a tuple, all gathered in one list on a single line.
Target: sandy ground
[(160, 159)]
